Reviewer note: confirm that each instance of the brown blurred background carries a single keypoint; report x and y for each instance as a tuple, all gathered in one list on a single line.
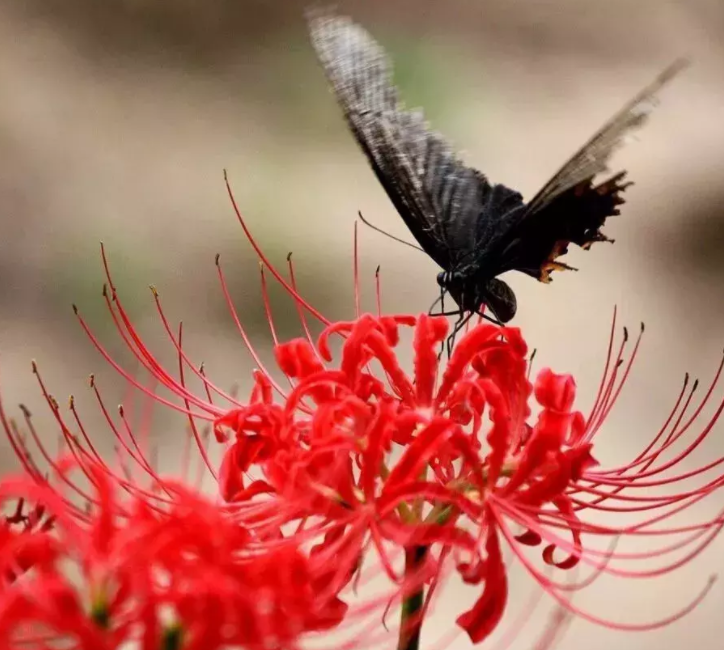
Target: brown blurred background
[(118, 117)]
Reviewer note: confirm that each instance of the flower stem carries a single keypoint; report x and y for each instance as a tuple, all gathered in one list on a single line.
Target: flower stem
[(411, 616)]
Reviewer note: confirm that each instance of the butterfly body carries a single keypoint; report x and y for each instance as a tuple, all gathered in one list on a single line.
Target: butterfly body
[(473, 229)]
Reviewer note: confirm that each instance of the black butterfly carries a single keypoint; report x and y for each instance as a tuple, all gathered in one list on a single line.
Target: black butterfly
[(473, 229)]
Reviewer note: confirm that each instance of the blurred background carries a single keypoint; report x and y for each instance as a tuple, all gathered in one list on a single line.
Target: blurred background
[(118, 118)]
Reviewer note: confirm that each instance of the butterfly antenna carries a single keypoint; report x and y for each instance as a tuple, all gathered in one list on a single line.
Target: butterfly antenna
[(386, 234)]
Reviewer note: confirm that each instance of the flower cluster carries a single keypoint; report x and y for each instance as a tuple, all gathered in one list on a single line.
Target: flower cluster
[(364, 486), (184, 576)]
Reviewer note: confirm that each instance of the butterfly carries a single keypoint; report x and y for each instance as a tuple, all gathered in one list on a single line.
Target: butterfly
[(472, 228)]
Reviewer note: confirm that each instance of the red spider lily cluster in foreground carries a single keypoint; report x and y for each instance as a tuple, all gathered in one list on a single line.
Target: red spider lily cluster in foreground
[(359, 490)]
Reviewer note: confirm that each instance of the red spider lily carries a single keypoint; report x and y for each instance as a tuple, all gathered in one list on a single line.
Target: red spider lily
[(424, 472), (468, 469), (147, 575)]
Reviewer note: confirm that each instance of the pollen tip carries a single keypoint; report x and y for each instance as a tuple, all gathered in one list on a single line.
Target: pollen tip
[(643, 327), (226, 175), (695, 386), (154, 291), (377, 270), (71, 401), (34, 366), (92, 380), (625, 334), (25, 410), (120, 410), (105, 290), (75, 309), (289, 256), (216, 258)]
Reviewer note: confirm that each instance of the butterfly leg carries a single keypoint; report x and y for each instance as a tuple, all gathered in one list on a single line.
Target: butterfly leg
[(434, 304), (449, 343), (440, 299), (459, 324)]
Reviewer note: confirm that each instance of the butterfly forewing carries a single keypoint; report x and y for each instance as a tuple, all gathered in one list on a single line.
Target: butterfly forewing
[(593, 158), (437, 195)]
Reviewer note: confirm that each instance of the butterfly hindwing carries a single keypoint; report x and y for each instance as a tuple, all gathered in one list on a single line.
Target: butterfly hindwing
[(593, 158), (571, 208)]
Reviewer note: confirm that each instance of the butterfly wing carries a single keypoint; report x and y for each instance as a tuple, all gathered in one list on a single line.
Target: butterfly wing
[(438, 196), (570, 208), (593, 158)]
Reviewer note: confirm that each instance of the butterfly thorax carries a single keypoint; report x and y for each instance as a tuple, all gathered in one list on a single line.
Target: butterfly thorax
[(474, 292)]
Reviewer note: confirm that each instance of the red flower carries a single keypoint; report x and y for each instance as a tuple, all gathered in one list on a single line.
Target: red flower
[(424, 472), (413, 465), (191, 570)]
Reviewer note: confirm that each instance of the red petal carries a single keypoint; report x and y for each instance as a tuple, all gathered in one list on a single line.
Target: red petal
[(297, 359), (555, 392), (480, 621), (231, 480), (429, 333), (421, 450), (564, 506)]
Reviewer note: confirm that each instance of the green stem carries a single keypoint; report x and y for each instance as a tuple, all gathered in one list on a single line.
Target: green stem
[(411, 616), (172, 638)]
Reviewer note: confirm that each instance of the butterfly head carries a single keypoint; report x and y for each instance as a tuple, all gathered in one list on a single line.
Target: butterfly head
[(471, 293)]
